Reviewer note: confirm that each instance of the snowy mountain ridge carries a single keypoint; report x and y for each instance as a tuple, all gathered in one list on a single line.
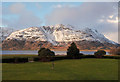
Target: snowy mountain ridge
[(5, 32), (58, 33)]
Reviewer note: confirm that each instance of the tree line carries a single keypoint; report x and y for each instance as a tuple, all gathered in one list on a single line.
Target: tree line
[(72, 52)]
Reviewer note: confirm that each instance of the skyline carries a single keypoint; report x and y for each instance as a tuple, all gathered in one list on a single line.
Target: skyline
[(99, 15)]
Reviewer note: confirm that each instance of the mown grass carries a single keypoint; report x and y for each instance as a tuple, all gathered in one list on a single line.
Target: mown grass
[(70, 69)]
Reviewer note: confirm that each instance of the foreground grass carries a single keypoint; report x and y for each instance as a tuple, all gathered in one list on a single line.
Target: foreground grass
[(81, 69)]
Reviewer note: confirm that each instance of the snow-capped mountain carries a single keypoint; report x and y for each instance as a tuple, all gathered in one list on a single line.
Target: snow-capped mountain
[(58, 33), (5, 32)]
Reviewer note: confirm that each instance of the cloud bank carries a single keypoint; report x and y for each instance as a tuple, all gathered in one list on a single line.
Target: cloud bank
[(99, 15), (22, 17)]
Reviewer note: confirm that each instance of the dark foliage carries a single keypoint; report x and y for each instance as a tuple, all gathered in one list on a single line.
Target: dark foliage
[(15, 60), (100, 53), (73, 51), (23, 60), (45, 54), (112, 57), (87, 56)]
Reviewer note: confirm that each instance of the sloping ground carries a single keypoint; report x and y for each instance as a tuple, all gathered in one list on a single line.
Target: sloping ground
[(35, 45), (81, 69), (24, 45)]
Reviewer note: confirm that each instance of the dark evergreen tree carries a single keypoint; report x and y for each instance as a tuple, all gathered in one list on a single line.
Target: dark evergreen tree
[(73, 51)]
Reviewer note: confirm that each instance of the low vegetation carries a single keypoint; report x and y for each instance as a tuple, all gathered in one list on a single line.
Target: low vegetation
[(100, 53), (45, 54)]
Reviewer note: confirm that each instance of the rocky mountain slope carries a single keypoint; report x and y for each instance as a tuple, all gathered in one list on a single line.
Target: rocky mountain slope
[(56, 36)]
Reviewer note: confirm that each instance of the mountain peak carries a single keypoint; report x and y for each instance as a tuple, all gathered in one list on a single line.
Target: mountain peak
[(59, 25), (58, 33)]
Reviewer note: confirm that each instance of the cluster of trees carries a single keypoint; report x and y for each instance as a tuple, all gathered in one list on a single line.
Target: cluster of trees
[(72, 52), (100, 53)]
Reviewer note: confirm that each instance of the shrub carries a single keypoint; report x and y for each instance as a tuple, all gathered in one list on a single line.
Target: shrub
[(15, 60), (8, 60), (87, 56), (73, 51), (100, 53), (111, 57), (45, 54)]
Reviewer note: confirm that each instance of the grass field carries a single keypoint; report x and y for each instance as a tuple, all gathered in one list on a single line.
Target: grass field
[(78, 69)]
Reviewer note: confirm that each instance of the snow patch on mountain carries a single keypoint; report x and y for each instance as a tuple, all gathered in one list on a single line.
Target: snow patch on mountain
[(58, 33), (32, 33), (97, 36)]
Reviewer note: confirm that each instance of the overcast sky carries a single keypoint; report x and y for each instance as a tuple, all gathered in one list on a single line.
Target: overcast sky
[(102, 16)]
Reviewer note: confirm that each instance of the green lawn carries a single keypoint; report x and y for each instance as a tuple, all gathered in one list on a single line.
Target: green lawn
[(79, 69)]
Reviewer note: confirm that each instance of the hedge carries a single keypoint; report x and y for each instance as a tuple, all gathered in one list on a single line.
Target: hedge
[(23, 60), (15, 60)]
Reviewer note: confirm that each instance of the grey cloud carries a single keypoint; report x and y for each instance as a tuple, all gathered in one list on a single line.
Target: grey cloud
[(25, 18), (86, 15)]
